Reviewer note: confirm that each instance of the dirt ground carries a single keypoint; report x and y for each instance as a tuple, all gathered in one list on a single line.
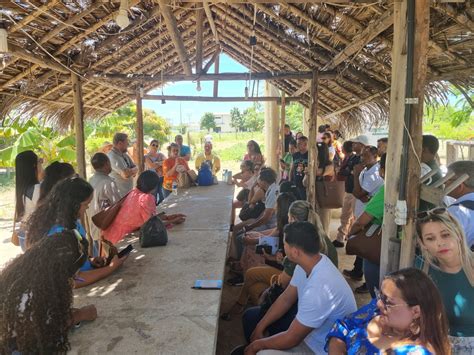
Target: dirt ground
[(230, 332)]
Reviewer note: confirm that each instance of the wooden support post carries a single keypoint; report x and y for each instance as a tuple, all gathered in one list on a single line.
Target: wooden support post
[(390, 253), (451, 151), (271, 128), (139, 133), (282, 123), (79, 125), (216, 82), (312, 148), (415, 129), (199, 36)]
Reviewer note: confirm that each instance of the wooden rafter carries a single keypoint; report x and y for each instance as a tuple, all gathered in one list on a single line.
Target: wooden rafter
[(199, 35), (210, 19), (460, 18)]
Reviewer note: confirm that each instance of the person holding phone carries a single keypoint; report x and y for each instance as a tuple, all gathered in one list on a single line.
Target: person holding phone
[(154, 161)]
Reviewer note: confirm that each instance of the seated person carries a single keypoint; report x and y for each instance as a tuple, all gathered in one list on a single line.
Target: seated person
[(287, 161), (54, 173), (36, 297), (463, 207), (318, 287), (172, 167), (208, 157), (139, 206), (63, 209), (407, 318), (450, 263), (246, 179)]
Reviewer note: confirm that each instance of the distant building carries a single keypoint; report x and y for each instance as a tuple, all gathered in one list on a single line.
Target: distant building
[(223, 123)]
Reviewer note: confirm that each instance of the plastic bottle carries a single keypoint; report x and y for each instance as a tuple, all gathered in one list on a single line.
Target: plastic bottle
[(174, 187)]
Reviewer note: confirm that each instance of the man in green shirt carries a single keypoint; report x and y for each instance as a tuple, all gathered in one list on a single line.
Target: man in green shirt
[(373, 214)]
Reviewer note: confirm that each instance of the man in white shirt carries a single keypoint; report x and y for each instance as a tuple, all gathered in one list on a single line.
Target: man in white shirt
[(463, 207), (323, 296), (123, 167)]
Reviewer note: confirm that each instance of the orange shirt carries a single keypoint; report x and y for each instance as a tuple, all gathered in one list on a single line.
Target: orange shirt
[(167, 166)]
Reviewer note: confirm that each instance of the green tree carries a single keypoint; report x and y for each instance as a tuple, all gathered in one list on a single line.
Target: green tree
[(294, 116), (254, 118), (208, 121), (237, 119)]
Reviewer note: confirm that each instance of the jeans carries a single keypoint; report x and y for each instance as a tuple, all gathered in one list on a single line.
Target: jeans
[(252, 316), (372, 274), (358, 263), (159, 192), (301, 193)]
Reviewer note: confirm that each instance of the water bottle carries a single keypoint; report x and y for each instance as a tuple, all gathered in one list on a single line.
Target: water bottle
[(174, 187)]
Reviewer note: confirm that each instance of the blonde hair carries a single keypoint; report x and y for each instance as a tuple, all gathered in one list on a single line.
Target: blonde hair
[(302, 211), (455, 229)]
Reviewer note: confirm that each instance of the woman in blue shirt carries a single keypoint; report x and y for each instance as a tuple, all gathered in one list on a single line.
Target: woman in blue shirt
[(64, 209), (407, 318)]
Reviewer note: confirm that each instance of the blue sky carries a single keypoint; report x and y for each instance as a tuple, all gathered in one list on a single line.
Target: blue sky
[(193, 111)]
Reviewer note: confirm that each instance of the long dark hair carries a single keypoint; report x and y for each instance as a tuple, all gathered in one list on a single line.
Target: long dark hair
[(60, 207), (323, 155), (419, 290), (147, 181), (284, 201), (36, 296), (54, 173), (256, 147), (26, 169)]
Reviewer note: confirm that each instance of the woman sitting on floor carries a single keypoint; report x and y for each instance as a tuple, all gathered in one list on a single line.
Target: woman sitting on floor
[(408, 317), (36, 297), (172, 167), (139, 206), (64, 209), (450, 263)]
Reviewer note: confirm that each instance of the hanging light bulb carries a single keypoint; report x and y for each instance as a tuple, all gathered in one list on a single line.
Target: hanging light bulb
[(122, 17), (198, 86), (3, 37)]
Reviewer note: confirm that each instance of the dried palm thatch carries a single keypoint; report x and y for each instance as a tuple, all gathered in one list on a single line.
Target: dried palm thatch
[(52, 38)]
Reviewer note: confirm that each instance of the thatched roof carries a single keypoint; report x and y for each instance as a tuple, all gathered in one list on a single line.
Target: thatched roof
[(353, 40)]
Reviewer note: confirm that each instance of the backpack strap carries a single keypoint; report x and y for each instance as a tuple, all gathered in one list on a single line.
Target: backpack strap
[(469, 204)]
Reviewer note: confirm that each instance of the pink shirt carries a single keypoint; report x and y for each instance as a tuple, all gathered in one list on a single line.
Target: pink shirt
[(137, 208)]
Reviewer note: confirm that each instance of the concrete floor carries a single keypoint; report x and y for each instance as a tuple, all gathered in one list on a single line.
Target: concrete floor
[(230, 332)]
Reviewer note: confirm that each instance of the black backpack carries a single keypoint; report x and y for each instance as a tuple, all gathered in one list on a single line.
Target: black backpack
[(153, 233)]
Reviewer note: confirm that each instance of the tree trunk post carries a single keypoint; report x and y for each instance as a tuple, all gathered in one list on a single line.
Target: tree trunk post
[(139, 133), (283, 122), (79, 125), (312, 148)]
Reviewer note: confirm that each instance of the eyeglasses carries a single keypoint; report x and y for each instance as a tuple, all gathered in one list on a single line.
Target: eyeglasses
[(435, 211), (154, 145), (386, 304)]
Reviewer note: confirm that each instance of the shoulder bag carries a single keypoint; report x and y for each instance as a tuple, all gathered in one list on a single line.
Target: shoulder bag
[(366, 243), (104, 218), (330, 194)]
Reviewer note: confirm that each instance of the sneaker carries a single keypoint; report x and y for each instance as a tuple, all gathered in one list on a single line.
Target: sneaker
[(338, 244), (352, 275), (236, 280), (362, 289)]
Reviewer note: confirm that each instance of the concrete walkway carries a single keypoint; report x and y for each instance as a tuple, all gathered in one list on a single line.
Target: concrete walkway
[(148, 307)]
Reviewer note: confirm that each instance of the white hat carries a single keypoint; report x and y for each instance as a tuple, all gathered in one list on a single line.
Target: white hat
[(360, 139)]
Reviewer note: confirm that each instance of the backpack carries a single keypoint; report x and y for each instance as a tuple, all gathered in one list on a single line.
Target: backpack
[(153, 233), (205, 176)]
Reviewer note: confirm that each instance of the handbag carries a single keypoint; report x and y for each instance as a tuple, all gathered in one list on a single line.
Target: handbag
[(104, 218), (366, 243), (153, 233), (270, 295), (248, 212), (186, 179), (330, 194)]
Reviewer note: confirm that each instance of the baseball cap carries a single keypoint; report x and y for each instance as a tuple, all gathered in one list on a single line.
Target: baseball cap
[(360, 139)]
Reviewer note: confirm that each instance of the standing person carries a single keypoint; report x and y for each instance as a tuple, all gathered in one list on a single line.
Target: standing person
[(325, 172), (463, 207), (254, 153), (287, 161), (106, 193), (328, 140), (288, 137), (123, 167), (209, 158), (347, 213), (319, 289), (298, 135), (321, 130), (367, 182), (173, 166), (382, 144), (28, 172), (429, 153), (36, 297), (297, 171), (450, 263), (54, 173), (184, 150), (154, 161)]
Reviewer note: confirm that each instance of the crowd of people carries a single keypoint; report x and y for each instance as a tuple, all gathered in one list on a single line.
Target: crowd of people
[(293, 298)]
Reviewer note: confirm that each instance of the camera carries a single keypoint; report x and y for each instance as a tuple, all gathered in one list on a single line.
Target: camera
[(260, 248)]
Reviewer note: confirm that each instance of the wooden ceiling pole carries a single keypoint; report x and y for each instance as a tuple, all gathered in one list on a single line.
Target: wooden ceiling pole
[(312, 149), (210, 19), (216, 82), (140, 136), (199, 36), (39, 61), (175, 35), (218, 99), (79, 125)]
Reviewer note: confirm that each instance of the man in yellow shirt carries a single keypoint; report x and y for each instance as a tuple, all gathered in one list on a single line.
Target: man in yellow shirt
[(209, 158)]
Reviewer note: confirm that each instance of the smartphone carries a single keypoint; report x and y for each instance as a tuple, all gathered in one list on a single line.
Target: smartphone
[(125, 251), (260, 248)]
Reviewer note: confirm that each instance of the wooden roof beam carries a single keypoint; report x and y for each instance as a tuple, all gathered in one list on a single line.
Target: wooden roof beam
[(172, 27), (32, 16), (199, 36), (210, 19), (460, 18), (36, 59)]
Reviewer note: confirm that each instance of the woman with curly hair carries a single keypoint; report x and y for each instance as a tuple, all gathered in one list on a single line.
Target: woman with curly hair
[(64, 209), (36, 297)]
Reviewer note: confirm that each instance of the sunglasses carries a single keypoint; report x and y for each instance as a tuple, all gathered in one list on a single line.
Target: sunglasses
[(435, 211), (387, 305), (154, 145)]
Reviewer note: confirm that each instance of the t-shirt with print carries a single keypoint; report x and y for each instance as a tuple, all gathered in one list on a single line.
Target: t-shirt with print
[(375, 207), (300, 162), (370, 181), (271, 196), (323, 297)]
